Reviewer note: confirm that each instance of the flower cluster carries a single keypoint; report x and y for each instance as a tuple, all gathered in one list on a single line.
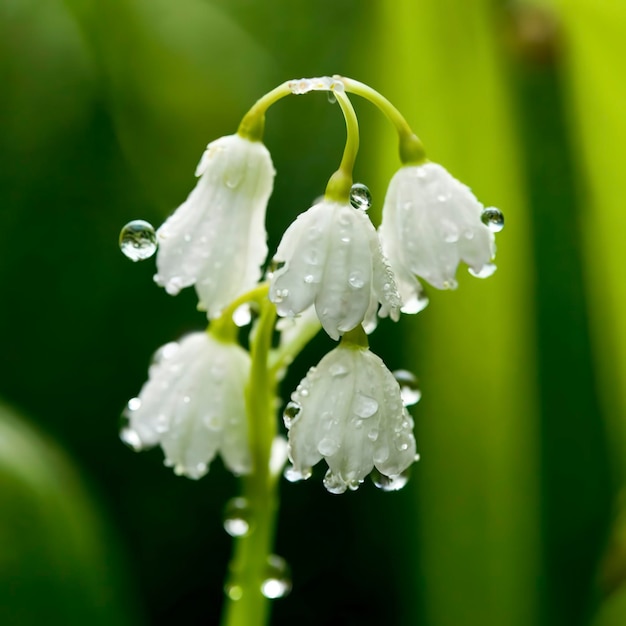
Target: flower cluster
[(333, 267)]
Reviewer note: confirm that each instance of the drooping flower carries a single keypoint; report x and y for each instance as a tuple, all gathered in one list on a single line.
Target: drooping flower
[(216, 239), (431, 222), (193, 405), (348, 410), (332, 259)]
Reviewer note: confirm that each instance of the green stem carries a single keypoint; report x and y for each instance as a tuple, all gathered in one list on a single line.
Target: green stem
[(253, 123), (223, 326), (340, 183), (245, 604), (411, 148)]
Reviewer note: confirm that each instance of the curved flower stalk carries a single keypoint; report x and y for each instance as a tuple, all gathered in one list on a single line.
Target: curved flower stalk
[(349, 411), (431, 222), (216, 239), (193, 405), (332, 259)]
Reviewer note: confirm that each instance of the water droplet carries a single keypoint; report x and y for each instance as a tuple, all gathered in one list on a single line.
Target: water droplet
[(355, 280), (242, 315), (292, 410), (442, 197), (484, 272), (493, 219), (360, 197), (372, 435), (274, 266), (328, 446), (280, 295), (389, 483), (293, 475), (409, 387), (131, 438), (165, 352), (138, 240), (337, 370), (364, 406), (333, 483), (234, 592), (403, 442), (277, 583), (238, 517), (134, 404), (331, 97)]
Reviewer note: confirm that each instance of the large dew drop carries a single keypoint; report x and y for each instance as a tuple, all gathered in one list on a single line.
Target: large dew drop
[(292, 410), (364, 406), (277, 582), (389, 483), (138, 240), (238, 517), (360, 197), (409, 387), (493, 219)]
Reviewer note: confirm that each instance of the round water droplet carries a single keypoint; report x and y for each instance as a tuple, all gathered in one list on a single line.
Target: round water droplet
[(292, 410), (134, 404), (333, 483), (165, 352), (372, 435), (409, 387), (389, 483), (360, 197), (332, 98), (238, 517), (337, 370), (484, 272), (234, 592), (364, 406), (131, 438), (493, 219), (355, 280), (138, 240), (242, 315), (293, 475), (328, 446), (277, 582)]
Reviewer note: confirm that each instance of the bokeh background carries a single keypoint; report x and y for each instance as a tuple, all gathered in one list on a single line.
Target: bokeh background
[(514, 516)]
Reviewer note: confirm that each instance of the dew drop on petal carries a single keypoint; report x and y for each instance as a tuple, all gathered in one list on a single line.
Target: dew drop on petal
[(138, 240), (238, 517), (337, 370), (328, 446), (389, 483), (332, 98), (333, 483), (277, 582), (242, 315), (290, 414), (364, 406), (293, 475), (484, 272), (131, 438), (165, 352), (355, 280), (134, 404), (493, 219), (360, 197), (409, 387)]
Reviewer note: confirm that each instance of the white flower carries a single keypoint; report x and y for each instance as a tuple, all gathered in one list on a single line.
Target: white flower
[(349, 411), (193, 405), (332, 258), (216, 239), (431, 222)]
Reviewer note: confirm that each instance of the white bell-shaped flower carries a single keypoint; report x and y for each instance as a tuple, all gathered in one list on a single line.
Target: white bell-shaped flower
[(216, 239), (431, 222), (332, 259), (193, 405), (349, 411)]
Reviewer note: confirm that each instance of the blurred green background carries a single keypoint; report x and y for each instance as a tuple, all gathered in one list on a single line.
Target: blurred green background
[(515, 514)]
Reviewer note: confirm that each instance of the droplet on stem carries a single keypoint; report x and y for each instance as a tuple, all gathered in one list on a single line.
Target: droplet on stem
[(138, 240), (277, 582), (238, 517), (360, 197)]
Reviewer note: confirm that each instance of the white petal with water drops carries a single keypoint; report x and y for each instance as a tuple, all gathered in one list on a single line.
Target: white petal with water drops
[(193, 405), (351, 414), (216, 239), (332, 260), (431, 222)]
